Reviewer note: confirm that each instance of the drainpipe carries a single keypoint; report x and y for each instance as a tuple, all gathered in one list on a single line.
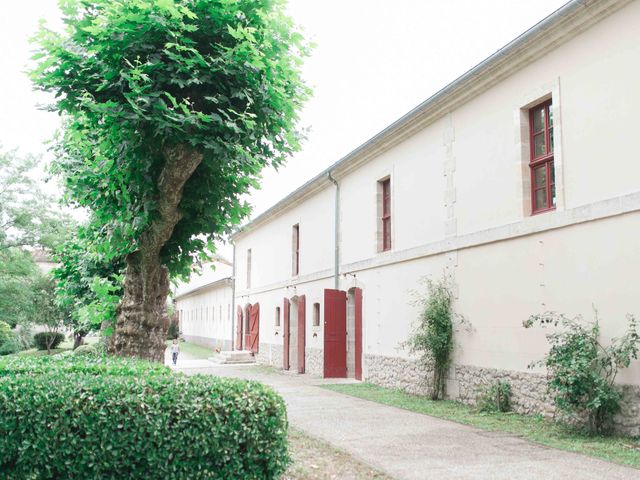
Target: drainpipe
[(336, 229), (233, 295)]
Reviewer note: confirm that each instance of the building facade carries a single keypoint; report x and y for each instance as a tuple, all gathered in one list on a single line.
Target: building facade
[(519, 181), (204, 306)]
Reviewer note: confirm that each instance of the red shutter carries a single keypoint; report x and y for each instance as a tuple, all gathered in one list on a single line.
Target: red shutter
[(301, 332), (285, 336), (239, 329), (335, 334), (358, 332), (254, 328)]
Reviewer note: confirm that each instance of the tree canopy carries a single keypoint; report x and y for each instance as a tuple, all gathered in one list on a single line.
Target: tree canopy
[(171, 109)]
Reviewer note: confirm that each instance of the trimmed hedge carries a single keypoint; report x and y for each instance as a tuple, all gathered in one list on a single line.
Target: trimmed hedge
[(42, 339), (90, 418)]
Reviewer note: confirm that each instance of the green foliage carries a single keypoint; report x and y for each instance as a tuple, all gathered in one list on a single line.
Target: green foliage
[(87, 285), (120, 422), (95, 350), (582, 371), (174, 330), (432, 338), (9, 347), (134, 79), (18, 272), (48, 340), (28, 217), (495, 397), (5, 332)]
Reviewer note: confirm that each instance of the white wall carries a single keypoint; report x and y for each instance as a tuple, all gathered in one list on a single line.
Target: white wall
[(459, 202)]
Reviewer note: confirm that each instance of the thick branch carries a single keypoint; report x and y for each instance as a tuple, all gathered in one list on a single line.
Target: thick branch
[(180, 163)]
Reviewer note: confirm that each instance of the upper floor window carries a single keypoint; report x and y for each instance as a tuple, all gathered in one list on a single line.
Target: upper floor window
[(385, 211), (543, 178), (249, 268), (295, 250)]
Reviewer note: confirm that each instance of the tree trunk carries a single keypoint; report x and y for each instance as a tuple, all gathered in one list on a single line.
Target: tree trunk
[(142, 321), (78, 339)]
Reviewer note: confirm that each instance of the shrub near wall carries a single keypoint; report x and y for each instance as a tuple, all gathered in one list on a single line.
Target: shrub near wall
[(59, 420)]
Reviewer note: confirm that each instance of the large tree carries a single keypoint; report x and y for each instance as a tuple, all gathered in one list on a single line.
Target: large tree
[(171, 109)]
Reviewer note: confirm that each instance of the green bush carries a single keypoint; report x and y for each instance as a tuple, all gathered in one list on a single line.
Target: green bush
[(582, 371), (122, 423), (6, 333), (173, 331), (495, 397), (53, 339), (9, 347), (86, 351)]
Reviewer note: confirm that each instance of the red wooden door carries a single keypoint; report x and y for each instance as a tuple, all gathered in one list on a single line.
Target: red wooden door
[(254, 328), (358, 332), (285, 336), (335, 334), (301, 332), (239, 329)]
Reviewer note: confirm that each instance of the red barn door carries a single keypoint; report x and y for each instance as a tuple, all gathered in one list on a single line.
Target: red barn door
[(239, 329), (301, 332), (254, 328), (358, 332), (285, 336), (335, 334)]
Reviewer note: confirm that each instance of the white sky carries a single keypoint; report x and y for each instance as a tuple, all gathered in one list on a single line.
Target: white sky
[(374, 61)]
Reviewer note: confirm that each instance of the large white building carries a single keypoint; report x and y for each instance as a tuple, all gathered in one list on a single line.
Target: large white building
[(520, 180)]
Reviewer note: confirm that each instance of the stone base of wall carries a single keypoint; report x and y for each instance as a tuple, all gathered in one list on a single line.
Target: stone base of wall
[(271, 354), (212, 343), (314, 362), (528, 390), (399, 373)]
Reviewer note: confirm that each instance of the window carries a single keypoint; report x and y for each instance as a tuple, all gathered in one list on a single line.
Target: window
[(316, 314), (277, 316), (385, 211), (295, 250), (543, 179), (249, 268)]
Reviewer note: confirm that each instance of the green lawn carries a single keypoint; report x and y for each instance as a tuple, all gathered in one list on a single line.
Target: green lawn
[(535, 428), (34, 352), (191, 350)]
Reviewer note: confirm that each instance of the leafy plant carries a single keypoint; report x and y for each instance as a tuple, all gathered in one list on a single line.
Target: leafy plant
[(495, 397), (170, 110), (582, 371), (432, 338), (174, 330), (5, 332), (130, 419), (48, 340)]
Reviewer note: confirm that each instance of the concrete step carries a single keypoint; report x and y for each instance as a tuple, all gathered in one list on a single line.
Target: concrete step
[(234, 357)]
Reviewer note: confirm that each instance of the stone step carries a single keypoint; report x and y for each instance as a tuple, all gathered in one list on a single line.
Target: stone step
[(234, 357)]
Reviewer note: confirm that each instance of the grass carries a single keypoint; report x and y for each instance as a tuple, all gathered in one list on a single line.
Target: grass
[(621, 450), (194, 351), (313, 459), (34, 352)]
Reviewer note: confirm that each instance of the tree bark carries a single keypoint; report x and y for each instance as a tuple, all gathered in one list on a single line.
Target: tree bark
[(141, 316)]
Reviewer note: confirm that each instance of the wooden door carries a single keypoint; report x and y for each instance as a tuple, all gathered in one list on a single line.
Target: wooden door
[(301, 332), (358, 332), (239, 329), (335, 334), (254, 328), (285, 336)]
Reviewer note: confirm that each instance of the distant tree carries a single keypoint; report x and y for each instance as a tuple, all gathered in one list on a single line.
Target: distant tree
[(171, 109), (46, 312)]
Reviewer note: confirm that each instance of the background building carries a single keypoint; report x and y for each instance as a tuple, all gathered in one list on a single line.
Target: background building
[(519, 181)]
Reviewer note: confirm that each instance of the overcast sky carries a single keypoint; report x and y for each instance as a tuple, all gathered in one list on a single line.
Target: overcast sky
[(374, 61)]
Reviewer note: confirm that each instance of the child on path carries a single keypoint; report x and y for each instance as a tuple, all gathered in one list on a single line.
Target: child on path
[(175, 350)]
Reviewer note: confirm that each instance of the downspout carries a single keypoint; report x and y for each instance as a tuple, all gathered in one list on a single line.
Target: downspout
[(233, 295), (336, 229)]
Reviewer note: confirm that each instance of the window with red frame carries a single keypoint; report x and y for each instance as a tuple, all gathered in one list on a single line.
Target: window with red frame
[(543, 179), (386, 214)]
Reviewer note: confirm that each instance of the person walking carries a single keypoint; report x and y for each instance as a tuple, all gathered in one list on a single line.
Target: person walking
[(175, 350)]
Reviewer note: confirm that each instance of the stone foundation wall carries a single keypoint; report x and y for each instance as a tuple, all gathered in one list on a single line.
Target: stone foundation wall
[(528, 390), (270, 354), (211, 343), (314, 361), (396, 372)]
